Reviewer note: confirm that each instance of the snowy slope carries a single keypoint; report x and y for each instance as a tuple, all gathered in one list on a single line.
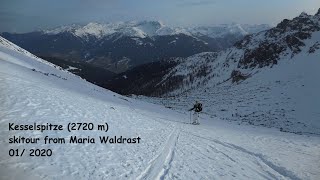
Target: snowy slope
[(35, 91), (285, 96), (267, 79)]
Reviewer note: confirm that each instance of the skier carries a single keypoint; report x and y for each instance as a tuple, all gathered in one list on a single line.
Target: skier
[(197, 107)]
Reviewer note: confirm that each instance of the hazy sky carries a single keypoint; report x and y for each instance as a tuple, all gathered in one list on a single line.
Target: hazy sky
[(28, 15)]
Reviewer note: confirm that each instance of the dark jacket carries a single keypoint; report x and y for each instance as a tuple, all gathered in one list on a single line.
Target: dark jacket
[(197, 107)]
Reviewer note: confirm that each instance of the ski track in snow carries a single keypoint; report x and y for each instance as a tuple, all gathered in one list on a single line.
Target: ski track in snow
[(159, 166), (282, 171), (170, 148)]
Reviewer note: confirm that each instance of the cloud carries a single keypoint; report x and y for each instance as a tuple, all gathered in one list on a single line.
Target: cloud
[(195, 3)]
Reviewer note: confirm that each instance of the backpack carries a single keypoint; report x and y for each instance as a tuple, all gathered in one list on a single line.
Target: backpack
[(199, 107)]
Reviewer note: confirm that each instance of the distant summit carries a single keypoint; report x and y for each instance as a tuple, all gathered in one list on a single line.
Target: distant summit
[(318, 13), (143, 29)]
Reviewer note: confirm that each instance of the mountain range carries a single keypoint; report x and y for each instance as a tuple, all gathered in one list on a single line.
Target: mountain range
[(118, 47), (143, 29)]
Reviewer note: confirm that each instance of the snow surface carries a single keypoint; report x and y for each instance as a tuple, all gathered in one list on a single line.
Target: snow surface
[(170, 148), (284, 95)]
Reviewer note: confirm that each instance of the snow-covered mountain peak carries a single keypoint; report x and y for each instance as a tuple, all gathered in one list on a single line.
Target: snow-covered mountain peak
[(149, 28), (95, 29), (154, 24), (304, 15), (140, 29), (288, 38), (144, 29), (318, 13), (222, 30), (238, 28), (66, 28)]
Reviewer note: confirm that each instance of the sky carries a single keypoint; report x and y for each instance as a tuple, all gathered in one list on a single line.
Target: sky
[(29, 15)]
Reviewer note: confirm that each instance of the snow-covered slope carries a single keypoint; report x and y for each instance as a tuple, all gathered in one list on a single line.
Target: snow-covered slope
[(33, 91), (267, 79), (285, 96), (144, 29)]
